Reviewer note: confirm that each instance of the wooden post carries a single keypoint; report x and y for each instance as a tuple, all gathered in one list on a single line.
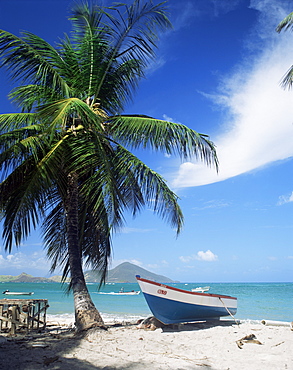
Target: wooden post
[(13, 319), (1, 314)]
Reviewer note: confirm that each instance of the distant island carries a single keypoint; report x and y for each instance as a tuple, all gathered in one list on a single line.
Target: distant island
[(26, 278), (123, 273)]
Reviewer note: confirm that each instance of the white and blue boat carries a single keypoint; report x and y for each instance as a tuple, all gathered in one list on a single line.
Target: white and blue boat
[(171, 305), (7, 292), (133, 292)]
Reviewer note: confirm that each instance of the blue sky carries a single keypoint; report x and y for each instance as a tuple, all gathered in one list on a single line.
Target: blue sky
[(218, 72)]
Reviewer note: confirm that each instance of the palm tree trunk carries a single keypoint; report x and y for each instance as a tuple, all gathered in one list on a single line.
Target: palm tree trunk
[(86, 314)]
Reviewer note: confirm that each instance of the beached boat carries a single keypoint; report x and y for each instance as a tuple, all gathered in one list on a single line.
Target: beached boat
[(172, 305), (7, 292), (201, 289)]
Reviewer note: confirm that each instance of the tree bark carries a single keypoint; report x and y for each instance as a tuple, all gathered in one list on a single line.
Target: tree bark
[(86, 314)]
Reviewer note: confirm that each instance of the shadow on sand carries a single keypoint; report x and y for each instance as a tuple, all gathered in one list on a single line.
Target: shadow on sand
[(198, 325), (57, 348)]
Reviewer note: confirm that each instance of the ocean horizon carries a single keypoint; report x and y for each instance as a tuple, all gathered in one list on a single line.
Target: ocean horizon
[(256, 301)]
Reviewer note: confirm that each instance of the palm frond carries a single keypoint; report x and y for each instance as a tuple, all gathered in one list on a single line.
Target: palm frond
[(30, 59), (153, 188), (130, 36), (127, 184), (286, 23), (20, 202), (12, 121), (68, 114), (95, 239), (142, 131), (287, 80), (28, 97), (54, 236), (26, 190)]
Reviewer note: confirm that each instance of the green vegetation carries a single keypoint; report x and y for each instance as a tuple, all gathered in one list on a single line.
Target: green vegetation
[(287, 24), (26, 278), (65, 158), (6, 278)]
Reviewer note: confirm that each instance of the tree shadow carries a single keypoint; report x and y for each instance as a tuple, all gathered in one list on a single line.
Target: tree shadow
[(41, 350), (54, 349)]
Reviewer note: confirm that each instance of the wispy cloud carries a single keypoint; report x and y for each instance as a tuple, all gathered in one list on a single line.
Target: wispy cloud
[(155, 64), (224, 6), (212, 204), (131, 230), (183, 14), (186, 11), (258, 129), (272, 258), (208, 256), (283, 199)]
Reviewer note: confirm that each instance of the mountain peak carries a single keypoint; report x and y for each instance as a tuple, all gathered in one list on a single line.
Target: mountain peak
[(125, 273)]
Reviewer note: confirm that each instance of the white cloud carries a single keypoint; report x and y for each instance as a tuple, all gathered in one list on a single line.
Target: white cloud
[(200, 256), (259, 126), (152, 266), (207, 256), (130, 230), (115, 263), (169, 119), (283, 199), (25, 262)]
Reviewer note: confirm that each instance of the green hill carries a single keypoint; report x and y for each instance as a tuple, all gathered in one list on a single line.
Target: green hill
[(6, 278), (125, 273), (26, 278)]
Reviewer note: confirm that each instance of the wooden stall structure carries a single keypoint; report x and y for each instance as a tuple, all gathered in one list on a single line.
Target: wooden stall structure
[(22, 314)]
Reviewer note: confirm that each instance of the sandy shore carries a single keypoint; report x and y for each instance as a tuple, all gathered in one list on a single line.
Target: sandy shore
[(190, 346)]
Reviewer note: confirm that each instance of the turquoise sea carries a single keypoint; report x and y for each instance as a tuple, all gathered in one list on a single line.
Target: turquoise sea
[(256, 301)]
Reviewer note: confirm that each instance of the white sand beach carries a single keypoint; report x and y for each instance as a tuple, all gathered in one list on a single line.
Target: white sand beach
[(189, 346)]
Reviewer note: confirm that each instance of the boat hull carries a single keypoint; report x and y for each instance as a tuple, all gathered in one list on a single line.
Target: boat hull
[(18, 293), (121, 293), (171, 305), (201, 289)]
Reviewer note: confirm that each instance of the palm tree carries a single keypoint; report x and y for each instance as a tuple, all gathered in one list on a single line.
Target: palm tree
[(287, 24), (65, 157)]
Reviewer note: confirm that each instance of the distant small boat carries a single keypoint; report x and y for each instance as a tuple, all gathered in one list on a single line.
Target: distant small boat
[(201, 289), (7, 292), (133, 292), (172, 305)]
